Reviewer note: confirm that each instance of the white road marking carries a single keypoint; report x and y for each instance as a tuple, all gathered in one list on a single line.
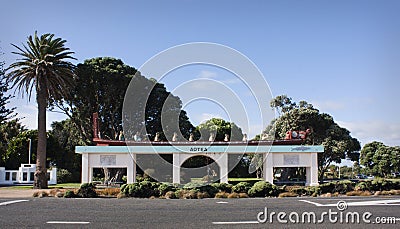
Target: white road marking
[(12, 202), (237, 222), (66, 222), (222, 202), (358, 203)]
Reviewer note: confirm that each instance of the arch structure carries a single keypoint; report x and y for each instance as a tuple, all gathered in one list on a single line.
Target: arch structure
[(276, 154)]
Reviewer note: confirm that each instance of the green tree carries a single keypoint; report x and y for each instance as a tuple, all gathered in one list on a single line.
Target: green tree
[(101, 87), (8, 130), (44, 67), (66, 137), (5, 113), (220, 127), (337, 141), (379, 159), (18, 149)]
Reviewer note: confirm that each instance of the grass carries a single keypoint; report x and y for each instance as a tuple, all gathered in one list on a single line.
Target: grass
[(25, 187), (244, 179)]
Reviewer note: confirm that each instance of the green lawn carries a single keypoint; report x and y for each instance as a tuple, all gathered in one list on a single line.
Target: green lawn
[(244, 179), (66, 185)]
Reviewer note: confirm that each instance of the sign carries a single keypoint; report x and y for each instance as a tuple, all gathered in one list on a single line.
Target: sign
[(108, 160), (291, 159)]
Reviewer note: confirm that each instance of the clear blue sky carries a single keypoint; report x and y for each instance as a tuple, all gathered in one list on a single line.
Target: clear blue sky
[(342, 56)]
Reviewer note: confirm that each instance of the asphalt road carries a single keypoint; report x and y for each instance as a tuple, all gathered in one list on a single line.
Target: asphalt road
[(205, 213)]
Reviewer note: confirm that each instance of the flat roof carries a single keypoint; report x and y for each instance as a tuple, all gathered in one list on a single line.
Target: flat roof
[(198, 148)]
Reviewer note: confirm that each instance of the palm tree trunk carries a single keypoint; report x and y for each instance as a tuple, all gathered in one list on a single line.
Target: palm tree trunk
[(41, 170)]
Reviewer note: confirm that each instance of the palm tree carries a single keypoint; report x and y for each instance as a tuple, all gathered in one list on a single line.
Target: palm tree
[(43, 66)]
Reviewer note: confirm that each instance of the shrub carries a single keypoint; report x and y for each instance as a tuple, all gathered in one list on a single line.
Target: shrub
[(241, 187), (87, 190), (64, 176), (166, 187), (144, 189), (263, 189), (341, 187), (378, 185), (287, 194), (209, 189), (69, 194), (222, 187)]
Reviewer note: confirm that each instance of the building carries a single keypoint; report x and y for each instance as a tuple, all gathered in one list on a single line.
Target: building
[(126, 154)]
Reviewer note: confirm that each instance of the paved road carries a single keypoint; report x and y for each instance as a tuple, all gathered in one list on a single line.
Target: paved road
[(205, 213)]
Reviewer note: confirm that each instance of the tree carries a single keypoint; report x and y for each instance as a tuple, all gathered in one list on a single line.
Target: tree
[(337, 141), (5, 113), (220, 127), (101, 87), (8, 130), (44, 67), (66, 137), (379, 159)]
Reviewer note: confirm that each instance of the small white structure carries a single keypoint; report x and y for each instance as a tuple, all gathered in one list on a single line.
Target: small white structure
[(112, 154), (25, 175)]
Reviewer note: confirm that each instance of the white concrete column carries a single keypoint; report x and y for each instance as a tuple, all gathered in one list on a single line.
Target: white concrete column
[(176, 168), (131, 169), (223, 168), (268, 167), (85, 168), (312, 172), (134, 167)]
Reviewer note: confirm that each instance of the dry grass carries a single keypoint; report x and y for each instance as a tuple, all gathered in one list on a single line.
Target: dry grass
[(202, 195), (287, 194), (222, 195), (389, 193), (108, 191), (243, 195), (234, 195), (40, 194), (358, 193), (170, 195)]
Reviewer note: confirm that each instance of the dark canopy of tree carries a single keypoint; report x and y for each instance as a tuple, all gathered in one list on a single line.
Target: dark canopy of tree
[(101, 84), (337, 141), (5, 113), (220, 127), (379, 159)]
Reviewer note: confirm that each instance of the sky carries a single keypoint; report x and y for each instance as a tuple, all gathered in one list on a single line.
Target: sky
[(341, 56)]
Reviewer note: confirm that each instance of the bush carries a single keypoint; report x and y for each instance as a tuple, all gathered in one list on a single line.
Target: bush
[(143, 189), (263, 189), (341, 187), (222, 187), (163, 188), (87, 190), (378, 185), (69, 194), (64, 176), (241, 187)]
